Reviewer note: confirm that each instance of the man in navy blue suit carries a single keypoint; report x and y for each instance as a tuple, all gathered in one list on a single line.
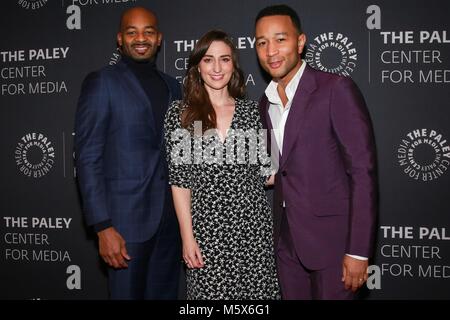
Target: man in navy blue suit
[(121, 167)]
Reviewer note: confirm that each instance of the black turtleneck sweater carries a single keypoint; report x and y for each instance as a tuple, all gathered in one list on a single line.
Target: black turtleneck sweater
[(154, 86), (158, 94)]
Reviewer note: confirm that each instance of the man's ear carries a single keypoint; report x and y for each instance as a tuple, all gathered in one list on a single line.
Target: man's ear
[(160, 36), (119, 38), (301, 41)]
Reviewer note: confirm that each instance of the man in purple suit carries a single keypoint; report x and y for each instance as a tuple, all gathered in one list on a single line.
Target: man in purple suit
[(325, 187)]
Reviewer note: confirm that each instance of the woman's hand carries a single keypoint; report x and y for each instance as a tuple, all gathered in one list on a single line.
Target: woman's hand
[(192, 255), (270, 181)]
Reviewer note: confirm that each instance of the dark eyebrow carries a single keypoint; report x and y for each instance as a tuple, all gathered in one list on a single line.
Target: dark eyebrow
[(146, 27), (222, 56), (276, 34)]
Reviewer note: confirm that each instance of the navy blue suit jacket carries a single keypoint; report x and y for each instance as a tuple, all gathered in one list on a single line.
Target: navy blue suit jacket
[(121, 168)]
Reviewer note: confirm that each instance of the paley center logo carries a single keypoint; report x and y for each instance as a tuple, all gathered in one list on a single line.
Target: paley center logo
[(34, 155), (73, 10), (332, 52), (115, 57), (32, 4), (424, 154)]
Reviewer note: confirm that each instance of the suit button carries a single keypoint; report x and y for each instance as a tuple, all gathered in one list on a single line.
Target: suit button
[(281, 204), (284, 173)]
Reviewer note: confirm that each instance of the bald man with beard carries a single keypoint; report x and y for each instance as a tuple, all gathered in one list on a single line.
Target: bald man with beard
[(121, 166)]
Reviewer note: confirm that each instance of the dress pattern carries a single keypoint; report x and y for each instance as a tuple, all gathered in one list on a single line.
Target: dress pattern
[(231, 216)]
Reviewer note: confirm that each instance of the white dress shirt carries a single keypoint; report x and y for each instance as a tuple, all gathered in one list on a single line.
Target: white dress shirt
[(277, 112)]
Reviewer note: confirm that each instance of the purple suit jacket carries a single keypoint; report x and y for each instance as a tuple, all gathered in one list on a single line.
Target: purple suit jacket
[(327, 175)]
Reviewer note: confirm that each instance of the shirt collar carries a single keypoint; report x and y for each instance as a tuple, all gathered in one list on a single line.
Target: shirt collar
[(271, 90)]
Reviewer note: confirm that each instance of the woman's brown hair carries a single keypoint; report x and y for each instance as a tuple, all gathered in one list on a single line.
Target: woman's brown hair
[(196, 98)]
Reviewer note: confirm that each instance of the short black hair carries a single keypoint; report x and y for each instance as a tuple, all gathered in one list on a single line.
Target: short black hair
[(281, 10)]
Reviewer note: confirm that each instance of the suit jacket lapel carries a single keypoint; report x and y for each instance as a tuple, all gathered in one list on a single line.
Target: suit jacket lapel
[(136, 89), (265, 118), (169, 88), (296, 116), (271, 141)]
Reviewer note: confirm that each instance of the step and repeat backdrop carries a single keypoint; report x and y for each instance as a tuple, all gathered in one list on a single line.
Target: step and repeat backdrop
[(397, 52)]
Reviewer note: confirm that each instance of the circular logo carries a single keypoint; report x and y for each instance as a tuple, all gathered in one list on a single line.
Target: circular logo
[(332, 52), (32, 4), (115, 57), (424, 155), (34, 155)]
